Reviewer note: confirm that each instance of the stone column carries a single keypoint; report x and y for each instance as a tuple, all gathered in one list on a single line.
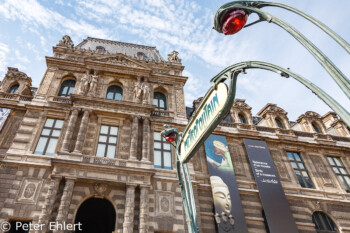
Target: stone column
[(64, 205), (144, 209), (82, 131), (128, 224), (134, 137), (145, 153), (69, 131), (46, 210)]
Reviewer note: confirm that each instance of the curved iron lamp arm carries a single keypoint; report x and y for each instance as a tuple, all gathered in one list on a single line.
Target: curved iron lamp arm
[(322, 26), (250, 6), (333, 104)]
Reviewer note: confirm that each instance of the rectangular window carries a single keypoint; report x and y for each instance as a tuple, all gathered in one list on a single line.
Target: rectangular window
[(49, 137), (107, 141), (342, 174), (300, 169), (162, 152)]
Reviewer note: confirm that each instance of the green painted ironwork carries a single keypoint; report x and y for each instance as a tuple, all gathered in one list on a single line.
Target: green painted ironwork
[(231, 73), (254, 7)]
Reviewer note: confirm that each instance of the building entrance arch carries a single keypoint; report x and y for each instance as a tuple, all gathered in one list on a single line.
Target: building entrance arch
[(96, 215)]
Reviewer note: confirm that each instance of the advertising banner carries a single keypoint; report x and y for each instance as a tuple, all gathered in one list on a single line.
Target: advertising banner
[(229, 214), (4, 113), (278, 214)]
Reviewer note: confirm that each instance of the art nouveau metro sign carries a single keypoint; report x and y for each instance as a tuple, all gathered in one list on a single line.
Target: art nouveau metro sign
[(204, 120)]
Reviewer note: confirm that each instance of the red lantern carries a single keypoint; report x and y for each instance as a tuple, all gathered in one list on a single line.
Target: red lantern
[(234, 21), (170, 137)]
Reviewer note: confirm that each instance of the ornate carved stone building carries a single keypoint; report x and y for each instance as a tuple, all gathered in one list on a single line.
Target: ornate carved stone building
[(85, 147)]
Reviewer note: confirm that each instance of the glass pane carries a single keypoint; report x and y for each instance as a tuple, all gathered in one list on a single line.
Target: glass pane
[(294, 165), (347, 179), (166, 146), (308, 182), (114, 131), (101, 150), (155, 102), (336, 170), (71, 89), (157, 145), (41, 146), (338, 162), (118, 96), (45, 132), (157, 136), (304, 173), (102, 138), (290, 156), (297, 156), (104, 129), (109, 95), (342, 171), (110, 151), (63, 91), (59, 124), (157, 159), (51, 147), (301, 165), (161, 104), (112, 140), (330, 160), (167, 160), (49, 122), (56, 133)]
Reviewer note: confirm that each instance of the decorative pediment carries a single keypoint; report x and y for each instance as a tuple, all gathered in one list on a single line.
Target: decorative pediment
[(121, 60), (241, 104), (15, 74), (309, 115), (271, 108)]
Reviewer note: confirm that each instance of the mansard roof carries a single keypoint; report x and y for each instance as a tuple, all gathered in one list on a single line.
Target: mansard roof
[(112, 47)]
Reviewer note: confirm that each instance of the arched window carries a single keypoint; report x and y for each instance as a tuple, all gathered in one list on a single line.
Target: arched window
[(14, 89), (159, 100), (316, 129), (114, 93), (279, 123), (323, 223), (227, 118), (242, 118), (67, 88)]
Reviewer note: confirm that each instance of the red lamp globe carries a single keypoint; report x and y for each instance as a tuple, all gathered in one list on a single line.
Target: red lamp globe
[(170, 137), (234, 21)]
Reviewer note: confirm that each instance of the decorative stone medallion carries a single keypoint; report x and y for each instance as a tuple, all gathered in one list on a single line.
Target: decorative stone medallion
[(165, 204), (29, 191)]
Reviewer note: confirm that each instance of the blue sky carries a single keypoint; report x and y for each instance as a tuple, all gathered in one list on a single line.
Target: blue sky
[(29, 29)]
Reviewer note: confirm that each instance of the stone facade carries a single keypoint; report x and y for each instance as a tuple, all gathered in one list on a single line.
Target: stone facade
[(47, 188)]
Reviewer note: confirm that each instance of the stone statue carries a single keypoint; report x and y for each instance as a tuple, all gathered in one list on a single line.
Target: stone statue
[(93, 85), (84, 84), (138, 91), (173, 57), (66, 42), (146, 91)]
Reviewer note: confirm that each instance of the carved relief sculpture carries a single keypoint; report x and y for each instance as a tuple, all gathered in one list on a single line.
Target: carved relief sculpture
[(146, 91), (84, 84), (93, 85), (138, 91)]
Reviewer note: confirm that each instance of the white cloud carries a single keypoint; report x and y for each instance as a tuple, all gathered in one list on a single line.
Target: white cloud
[(34, 15), (3, 53)]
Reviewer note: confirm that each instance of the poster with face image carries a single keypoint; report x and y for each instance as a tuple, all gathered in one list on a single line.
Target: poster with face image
[(229, 215)]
